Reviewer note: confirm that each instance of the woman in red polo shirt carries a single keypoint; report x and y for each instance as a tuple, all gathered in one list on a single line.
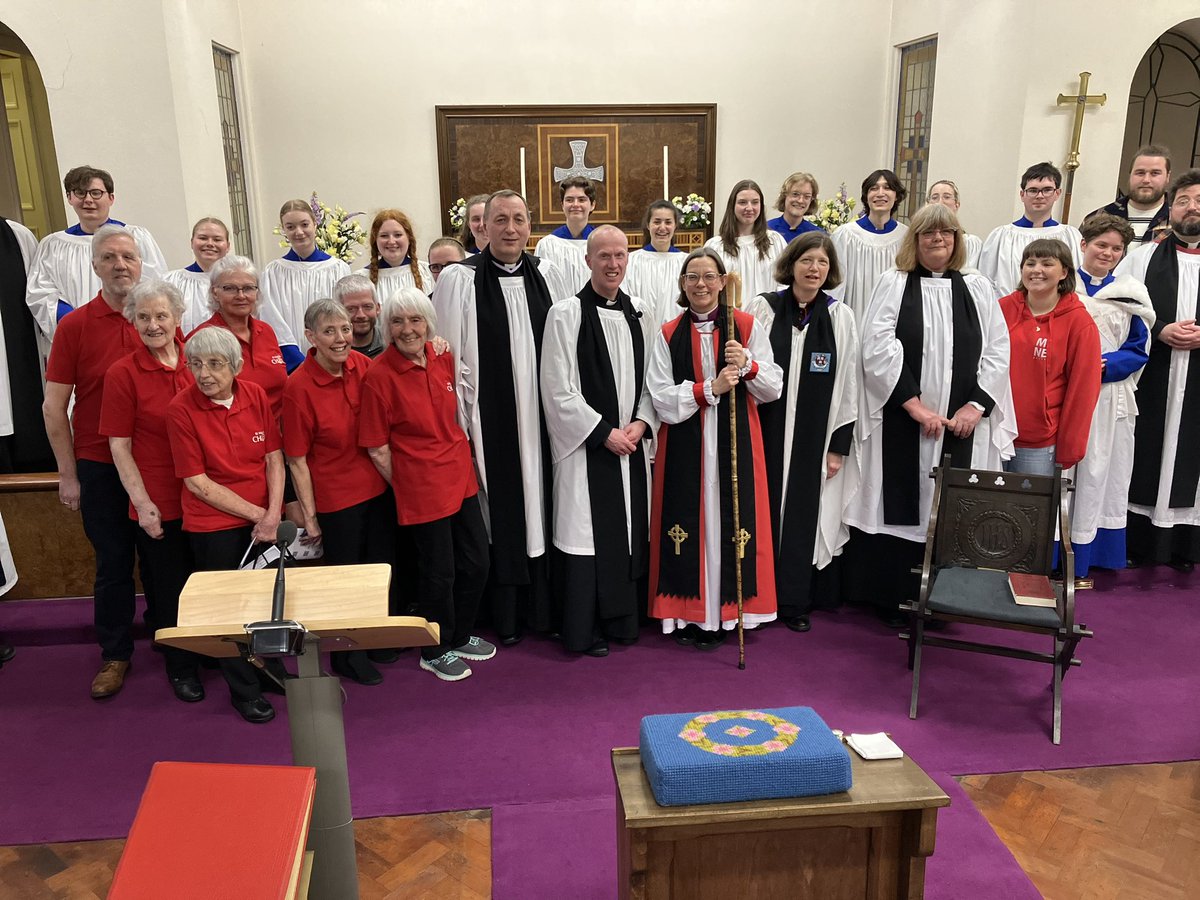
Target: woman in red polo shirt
[(409, 425), (234, 297), (227, 449), (343, 499), (133, 416)]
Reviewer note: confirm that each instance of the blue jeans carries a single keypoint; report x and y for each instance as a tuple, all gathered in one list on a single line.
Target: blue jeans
[(1031, 461)]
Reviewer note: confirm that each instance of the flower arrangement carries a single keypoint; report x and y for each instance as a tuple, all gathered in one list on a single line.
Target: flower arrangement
[(337, 232), (694, 211), (458, 213), (834, 212)]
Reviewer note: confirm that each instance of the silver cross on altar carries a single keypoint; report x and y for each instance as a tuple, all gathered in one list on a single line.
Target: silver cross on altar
[(578, 149)]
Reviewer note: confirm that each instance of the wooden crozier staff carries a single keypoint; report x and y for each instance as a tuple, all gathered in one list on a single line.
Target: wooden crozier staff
[(733, 300)]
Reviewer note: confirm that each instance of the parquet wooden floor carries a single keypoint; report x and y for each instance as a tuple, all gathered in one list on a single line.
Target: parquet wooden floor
[(1114, 833)]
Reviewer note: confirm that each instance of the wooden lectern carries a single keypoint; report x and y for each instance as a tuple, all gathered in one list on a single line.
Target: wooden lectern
[(341, 608)]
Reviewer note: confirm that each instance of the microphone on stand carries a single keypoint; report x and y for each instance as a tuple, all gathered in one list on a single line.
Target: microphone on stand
[(284, 536), (277, 636)]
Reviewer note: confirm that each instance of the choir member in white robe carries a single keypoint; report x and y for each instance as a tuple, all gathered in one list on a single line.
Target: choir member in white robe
[(797, 199), (600, 419), (492, 310), (8, 578), (808, 433), (472, 234), (1164, 511), (394, 263), (934, 382), (289, 284), (745, 244), (867, 247), (697, 363), (23, 443), (945, 192), (653, 272), (443, 252), (1123, 314), (566, 246), (210, 242), (61, 277), (1000, 259)]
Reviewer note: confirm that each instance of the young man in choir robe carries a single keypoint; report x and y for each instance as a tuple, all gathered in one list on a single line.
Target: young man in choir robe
[(61, 277), (1144, 204), (808, 433), (1164, 515), (1000, 259), (600, 419), (23, 443), (566, 245), (797, 199), (357, 294), (700, 362), (492, 310)]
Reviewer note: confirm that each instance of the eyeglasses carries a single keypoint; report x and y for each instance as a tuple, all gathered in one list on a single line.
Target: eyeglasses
[(436, 268), (94, 193), (1182, 202), (796, 195), (1039, 192), (940, 232), (707, 278), (231, 290), (213, 365)]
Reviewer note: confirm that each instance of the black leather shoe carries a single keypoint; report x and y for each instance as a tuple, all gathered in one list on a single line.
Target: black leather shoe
[(710, 640), (7, 652), (1179, 564), (383, 655), (894, 619), (188, 689), (686, 636), (354, 665), (798, 623), (598, 649), (256, 711), (511, 640), (1133, 562)]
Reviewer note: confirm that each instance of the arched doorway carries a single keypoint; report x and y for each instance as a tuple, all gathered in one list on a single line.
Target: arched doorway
[(29, 188), (1164, 98)]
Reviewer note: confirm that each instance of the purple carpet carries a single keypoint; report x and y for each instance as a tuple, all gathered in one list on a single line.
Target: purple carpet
[(529, 734)]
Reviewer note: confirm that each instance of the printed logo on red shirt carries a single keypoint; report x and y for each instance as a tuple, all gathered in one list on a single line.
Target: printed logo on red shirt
[(1040, 348), (277, 360), (259, 437)]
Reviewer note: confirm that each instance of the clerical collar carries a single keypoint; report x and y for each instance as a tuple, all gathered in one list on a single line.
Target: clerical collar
[(384, 264), (1091, 283), (510, 268), (671, 249), (706, 317), (318, 255), (78, 231), (562, 231), (865, 223), (194, 267), (1024, 222)]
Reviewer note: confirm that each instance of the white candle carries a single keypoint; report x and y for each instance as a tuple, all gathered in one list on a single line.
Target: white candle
[(666, 193), (523, 194)]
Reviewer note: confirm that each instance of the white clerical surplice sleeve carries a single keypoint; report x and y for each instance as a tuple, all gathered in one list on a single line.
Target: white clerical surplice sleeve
[(569, 418)]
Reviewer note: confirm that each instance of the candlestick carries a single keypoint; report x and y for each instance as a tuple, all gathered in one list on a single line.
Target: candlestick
[(666, 192), (523, 194)]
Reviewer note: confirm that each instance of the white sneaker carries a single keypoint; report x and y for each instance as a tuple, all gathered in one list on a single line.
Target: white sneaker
[(447, 667)]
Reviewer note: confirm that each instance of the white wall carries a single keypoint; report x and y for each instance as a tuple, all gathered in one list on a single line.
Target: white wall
[(339, 98)]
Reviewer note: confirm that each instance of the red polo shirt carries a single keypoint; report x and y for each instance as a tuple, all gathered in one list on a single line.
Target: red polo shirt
[(320, 423), (230, 446), (86, 343), (414, 410), (262, 360), (137, 391)]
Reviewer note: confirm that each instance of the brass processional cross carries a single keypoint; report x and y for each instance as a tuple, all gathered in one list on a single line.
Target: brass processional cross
[(1081, 101), (742, 538)]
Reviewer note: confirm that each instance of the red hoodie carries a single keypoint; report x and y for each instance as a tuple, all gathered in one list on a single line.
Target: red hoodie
[(1054, 369)]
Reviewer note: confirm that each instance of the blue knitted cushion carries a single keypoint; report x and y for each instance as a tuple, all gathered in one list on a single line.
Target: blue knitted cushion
[(721, 757)]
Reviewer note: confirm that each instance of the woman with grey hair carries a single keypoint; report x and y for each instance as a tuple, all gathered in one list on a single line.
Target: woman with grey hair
[(133, 416), (227, 448), (234, 299), (409, 425), (344, 501)]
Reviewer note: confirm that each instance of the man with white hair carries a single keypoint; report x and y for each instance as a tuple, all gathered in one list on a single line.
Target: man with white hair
[(357, 294), (87, 343)]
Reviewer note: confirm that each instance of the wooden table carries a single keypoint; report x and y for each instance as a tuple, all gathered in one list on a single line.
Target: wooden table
[(869, 842)]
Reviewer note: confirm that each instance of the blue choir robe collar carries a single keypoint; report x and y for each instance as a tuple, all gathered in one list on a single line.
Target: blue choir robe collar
[(562, 231), (671, 249), (194, 267), (384, 264), (1024, 222), (318, 255), (78, 231), (1094, 285), (865, 224)]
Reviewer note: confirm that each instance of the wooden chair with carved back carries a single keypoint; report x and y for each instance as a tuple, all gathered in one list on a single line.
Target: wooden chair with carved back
[(982, 526)]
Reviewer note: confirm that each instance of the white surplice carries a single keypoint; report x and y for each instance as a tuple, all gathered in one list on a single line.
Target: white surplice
[(6, 562), (62, 270), (654, 277), (882, 359), (286, 287), (757, 272), (1162, 514), (974, 245), (28, 245), (569, 259), (832, 532), (676, 403), (570, 420), (1000, 259), (454, 302), (863, 256), (393, 278), (196, 288), (1101, 496)]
